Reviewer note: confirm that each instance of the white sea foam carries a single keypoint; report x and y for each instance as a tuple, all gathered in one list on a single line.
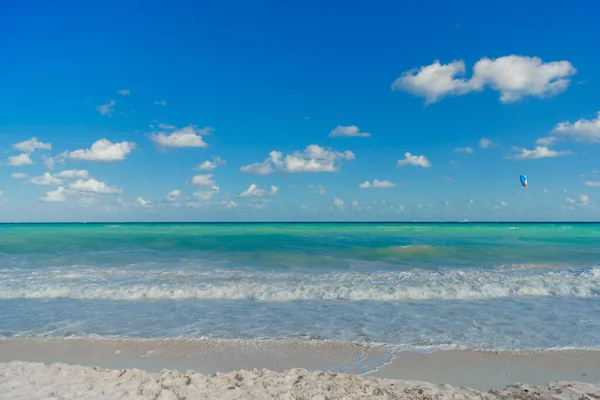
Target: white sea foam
[(279, 287)]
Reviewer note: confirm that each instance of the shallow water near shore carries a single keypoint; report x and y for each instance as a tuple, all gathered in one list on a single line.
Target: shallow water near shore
[(413, 286)]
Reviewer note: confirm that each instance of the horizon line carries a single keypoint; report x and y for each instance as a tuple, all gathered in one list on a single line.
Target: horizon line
[(301, 222)]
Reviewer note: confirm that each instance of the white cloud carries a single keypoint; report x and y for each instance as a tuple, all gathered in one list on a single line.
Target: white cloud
[(202, 180), (167, 127), (538, 152), (48, 161), (582, 201), (210, 165), (160, 103), (434, 81), (593, 183), (21, 159), (55, 196), (313, 159), (320, 188), (254, 191), (106, 109), (30, 145), (73, 174), (207, 194), (348, 131), (189, 136), (124, 92), (45, 180), (468, 150), (104, 150), (173, 196), (582, 130), (376, 184), (93, 186), (545, 141), (142, 202), (517, 76), (546, 191), (485, 143), (229, 204), (18, 175), (513, 76), (419, 161), (503, 204), (339, 203)]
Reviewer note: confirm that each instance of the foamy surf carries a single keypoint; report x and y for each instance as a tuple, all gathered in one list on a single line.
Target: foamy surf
[(281, 287)]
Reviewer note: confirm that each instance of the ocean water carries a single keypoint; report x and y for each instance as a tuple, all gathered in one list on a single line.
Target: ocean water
[(413, 286)]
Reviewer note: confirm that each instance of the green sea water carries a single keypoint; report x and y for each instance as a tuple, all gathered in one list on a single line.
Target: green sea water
[(472, 285)]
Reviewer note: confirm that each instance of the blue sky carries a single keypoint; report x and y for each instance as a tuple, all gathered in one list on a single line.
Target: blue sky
[(295, 106)]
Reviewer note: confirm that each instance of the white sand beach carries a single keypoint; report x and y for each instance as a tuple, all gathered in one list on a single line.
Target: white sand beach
[(205, 369)]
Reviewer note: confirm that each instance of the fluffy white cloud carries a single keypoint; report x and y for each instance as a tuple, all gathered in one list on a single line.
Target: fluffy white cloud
[(190, 136), (419, 161), (160, 103), (434, 81), (106, 109), (503, 204), (582, 201), (538, 152), (313, 159), (468, 150), (18, 175), (103, 150), (593, 183), (376, 184), (55, 196), (48, 161), (45, 180), (229, 204), (582, 130), (348, 131), (513, 76), (173, 196), (29, 146), (202, 180), (142, 202), (517, 76), (124, 92), (167, 127), (210, 165), (21, 159), (320, 188), (484, 143), (73, 174), (339, 203), (254, 191), (93, 186), (206, 194)]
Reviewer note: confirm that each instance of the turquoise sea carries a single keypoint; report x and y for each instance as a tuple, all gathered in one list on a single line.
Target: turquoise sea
[(414, 286)]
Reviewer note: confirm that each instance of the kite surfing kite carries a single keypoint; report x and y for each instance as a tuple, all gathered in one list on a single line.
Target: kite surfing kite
[(524, 181)]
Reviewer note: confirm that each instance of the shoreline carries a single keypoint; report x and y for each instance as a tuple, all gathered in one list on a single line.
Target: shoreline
[(477, 369)]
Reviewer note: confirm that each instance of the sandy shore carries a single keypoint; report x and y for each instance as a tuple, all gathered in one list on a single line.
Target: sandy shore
[(177, 369)]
